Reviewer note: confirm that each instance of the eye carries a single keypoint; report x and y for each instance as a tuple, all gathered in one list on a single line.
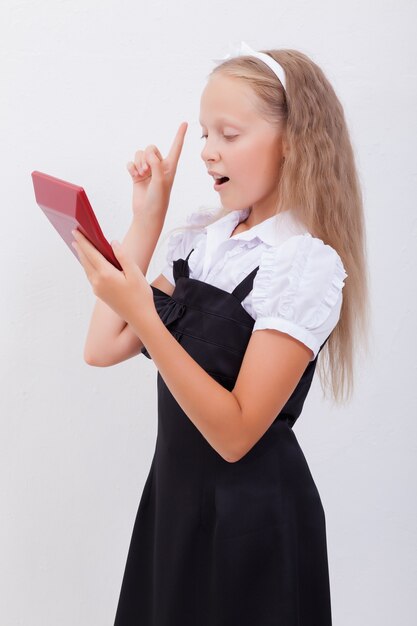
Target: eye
[(229, 137)]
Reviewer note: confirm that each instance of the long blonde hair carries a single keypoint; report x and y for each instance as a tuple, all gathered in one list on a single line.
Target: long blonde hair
[(319, 180)]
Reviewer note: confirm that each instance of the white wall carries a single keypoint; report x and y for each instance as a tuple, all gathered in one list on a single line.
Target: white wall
[(84, 85)]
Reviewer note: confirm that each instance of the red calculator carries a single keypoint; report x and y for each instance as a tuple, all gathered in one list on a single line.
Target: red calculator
[(67, 208)]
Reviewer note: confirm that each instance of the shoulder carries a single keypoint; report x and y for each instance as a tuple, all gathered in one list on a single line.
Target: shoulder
[(181, 241), (298, 289)]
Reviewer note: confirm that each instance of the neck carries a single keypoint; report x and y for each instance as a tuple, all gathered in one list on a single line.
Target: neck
[(256, 217)]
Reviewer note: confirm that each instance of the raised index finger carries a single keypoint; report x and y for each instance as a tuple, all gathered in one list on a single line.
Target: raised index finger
[(177, 144)]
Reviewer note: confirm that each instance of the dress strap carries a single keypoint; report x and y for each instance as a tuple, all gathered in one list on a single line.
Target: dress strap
[(180, 267), (188, 255), (245, 286)]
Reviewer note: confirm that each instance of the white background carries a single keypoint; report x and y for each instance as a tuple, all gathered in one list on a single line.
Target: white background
[(83, 85)]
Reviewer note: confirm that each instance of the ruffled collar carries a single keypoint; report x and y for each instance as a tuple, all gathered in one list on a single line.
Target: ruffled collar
[(272, 231)]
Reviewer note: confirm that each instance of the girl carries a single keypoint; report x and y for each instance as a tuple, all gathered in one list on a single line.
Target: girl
[(230, 529)]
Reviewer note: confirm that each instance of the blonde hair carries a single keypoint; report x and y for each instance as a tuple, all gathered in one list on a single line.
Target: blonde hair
[(318, 179)]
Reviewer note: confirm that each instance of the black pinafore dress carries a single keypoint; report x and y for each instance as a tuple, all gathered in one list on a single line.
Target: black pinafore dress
[(216, 543)]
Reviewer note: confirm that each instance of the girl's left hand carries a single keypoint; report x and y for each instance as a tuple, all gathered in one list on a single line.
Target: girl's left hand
[(127, 292)]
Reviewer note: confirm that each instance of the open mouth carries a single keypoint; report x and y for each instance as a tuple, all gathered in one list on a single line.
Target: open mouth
[(221, 182)]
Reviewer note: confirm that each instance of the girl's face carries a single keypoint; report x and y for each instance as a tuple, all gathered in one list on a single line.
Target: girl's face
[(241, 145)]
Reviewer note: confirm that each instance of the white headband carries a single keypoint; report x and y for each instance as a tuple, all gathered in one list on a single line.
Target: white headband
[(242, 48)]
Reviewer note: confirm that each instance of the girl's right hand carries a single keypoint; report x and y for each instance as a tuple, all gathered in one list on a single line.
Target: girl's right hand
[(153, 177)]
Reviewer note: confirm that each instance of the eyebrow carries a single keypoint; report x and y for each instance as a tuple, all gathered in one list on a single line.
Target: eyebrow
[(225, 119)]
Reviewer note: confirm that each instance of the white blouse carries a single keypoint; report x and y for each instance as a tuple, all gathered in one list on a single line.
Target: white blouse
[(298, 287)]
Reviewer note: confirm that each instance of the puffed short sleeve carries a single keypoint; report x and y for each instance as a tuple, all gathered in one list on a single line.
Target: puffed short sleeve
[(298, 290), (180, 243)]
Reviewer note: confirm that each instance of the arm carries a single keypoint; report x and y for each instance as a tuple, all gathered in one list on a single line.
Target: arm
[(232, 421), (151, 193), (106, 327), (127, 344)]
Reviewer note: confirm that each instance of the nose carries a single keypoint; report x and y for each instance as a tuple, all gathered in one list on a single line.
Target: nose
[(209, 152)]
